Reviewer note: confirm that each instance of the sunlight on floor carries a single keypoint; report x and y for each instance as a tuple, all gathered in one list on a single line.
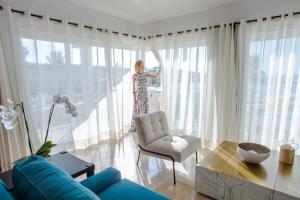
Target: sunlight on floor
[(151, 172)]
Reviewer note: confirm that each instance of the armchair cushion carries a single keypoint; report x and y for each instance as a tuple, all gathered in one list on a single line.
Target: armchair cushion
[(176, 145), (151, 127), (102, 180)]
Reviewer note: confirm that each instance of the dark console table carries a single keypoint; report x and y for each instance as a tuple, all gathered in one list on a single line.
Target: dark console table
[(70, 163)]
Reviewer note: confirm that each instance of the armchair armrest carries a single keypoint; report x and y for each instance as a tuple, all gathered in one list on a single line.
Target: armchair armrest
[(102, 180)]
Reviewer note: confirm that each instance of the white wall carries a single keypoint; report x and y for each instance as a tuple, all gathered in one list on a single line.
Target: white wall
[(72, 12), (232, 12)]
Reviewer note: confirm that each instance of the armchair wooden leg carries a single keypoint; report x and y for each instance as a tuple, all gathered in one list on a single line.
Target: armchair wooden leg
[(196, 157), (137, 163), (174, 176)]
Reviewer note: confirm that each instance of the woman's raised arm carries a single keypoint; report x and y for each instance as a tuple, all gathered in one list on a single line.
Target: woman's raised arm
[(153, 75)]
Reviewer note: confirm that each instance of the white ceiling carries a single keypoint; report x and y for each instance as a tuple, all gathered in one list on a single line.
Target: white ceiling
[(144, 11)]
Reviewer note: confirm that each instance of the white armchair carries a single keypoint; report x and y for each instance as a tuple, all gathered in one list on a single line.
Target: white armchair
[(155, 139)]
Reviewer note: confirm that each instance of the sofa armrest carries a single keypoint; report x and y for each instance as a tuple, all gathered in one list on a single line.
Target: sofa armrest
[(4, 193), (102, 180)]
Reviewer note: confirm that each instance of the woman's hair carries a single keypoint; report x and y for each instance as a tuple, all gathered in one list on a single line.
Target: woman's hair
[(137, 65)]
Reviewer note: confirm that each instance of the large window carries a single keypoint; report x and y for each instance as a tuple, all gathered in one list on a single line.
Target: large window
[(152, 66), (81, 72), (123, 61), (272, 89), (185, 84), (154, 84)]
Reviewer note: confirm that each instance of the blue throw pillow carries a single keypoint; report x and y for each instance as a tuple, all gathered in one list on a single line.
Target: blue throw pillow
[(36, 178)]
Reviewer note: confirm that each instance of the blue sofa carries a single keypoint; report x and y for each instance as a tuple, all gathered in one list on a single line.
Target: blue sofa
[(37, 179)]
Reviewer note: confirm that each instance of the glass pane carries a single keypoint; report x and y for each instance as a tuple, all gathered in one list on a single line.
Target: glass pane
[(29, 53), (271, 94), (152, 66), (75, 54), (50, 52)]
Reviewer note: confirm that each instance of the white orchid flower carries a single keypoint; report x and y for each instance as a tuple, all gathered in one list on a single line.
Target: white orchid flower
[(69, 107), (58, 99), (65, 99), (8, 115)]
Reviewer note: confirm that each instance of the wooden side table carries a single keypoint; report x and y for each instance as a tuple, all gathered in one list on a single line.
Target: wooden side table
[(6, 177), (70, 163)]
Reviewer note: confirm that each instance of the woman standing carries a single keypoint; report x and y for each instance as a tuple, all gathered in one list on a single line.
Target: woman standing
[(139, 90)]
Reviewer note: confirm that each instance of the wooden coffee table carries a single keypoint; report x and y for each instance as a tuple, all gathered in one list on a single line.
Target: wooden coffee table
[(222, 175), (70, 163)]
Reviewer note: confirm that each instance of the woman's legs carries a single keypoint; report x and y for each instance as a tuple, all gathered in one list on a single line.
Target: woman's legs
[(141, 108), (134, 113)]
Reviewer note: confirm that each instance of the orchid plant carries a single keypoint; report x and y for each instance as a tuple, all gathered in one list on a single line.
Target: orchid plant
[(8, 117), (69, 108)]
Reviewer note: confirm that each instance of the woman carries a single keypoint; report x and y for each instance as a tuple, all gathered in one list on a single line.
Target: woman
[(140, 94)]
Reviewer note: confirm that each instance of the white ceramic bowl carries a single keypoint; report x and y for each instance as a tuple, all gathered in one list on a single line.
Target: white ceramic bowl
[(253, 153)]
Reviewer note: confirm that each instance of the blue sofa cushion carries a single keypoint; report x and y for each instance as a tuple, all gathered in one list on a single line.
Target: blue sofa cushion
[(127, 190), (4, 193), (36, 178), (102, 180)]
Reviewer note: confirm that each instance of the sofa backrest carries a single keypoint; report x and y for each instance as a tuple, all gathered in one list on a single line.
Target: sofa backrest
[(151, 127), (37, 178), (4, 193)]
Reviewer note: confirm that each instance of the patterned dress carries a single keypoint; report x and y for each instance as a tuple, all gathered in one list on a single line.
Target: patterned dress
[(142, 105)]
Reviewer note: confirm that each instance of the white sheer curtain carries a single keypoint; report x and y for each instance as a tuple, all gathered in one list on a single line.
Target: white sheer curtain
[(13, 143), (220, 108), (183, 62), (198, 83), (124, 53), (270, 104), (92, 67)]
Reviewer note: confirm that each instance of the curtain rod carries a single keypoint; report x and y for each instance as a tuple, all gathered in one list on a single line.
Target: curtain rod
[(218, 26), (143, 37), (21, 12)]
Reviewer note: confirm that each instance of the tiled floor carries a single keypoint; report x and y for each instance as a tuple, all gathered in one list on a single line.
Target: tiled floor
[(152, 172)]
